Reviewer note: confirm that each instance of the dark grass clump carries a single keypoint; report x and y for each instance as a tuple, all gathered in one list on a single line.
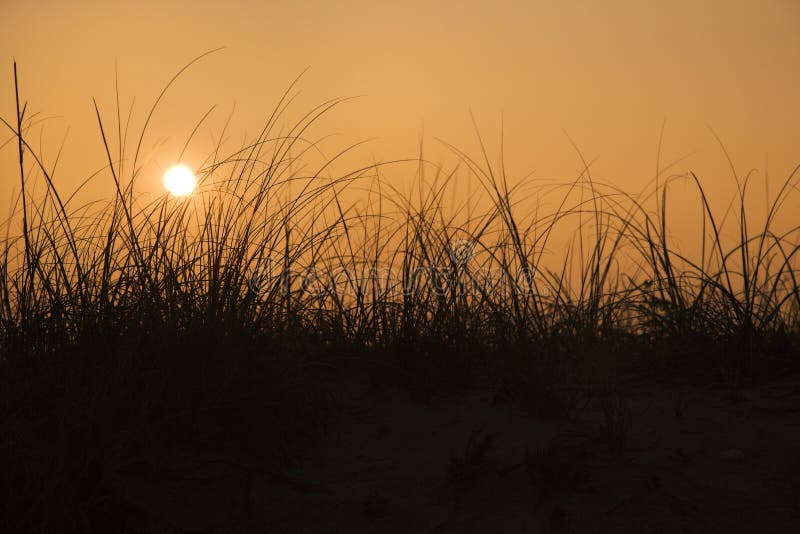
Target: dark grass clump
[(231, 322), (475, 464)]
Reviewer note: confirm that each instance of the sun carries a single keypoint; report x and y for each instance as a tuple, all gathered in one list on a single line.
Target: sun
[(179, 180)]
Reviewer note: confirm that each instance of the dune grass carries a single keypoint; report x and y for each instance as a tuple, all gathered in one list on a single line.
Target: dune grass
[(229, 321)]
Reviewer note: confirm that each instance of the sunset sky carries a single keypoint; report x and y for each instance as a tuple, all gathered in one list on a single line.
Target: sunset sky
[(607, 74)]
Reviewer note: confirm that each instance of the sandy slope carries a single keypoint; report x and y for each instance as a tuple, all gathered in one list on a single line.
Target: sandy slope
[(692, 461)]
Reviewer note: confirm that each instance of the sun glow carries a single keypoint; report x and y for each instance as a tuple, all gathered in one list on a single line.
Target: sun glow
[(179, 180)]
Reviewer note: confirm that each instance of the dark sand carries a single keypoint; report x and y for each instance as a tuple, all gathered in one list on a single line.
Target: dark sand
[(692, 460)]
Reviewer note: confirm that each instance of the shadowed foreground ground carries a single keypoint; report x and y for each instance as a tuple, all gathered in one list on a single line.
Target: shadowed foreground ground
[(659, 458)]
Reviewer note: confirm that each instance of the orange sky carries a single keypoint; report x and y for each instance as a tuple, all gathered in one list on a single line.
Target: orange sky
[(606, 73)]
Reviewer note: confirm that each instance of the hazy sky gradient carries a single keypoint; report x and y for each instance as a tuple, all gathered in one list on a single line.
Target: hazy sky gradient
[(605, 72)]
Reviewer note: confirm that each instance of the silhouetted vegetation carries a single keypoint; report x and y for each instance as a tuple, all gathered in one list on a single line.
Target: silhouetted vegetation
[(231, 320)]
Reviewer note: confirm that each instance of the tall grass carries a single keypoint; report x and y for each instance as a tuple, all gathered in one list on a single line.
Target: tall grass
[(223, 320)]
